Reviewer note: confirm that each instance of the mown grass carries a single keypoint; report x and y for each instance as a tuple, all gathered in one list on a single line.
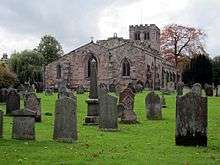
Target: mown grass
[(150, 142)]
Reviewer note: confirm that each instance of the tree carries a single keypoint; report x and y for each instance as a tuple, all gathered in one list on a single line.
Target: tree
[(216, 70), (27, 65), (50, 48), (198, 71), (180, 42), (7, 78)]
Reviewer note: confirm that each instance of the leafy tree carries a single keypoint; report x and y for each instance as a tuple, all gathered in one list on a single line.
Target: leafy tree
[(198, 71), (216, 70), (179, 41), (27, 65), (50, 48), (7, 78)]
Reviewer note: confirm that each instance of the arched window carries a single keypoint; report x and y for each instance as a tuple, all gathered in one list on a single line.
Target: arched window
[(58, 71), (146, 36), (89, 65), (125, 68), (137, 36)]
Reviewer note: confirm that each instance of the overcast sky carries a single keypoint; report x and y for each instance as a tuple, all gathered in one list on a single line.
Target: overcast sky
[(73, 22)]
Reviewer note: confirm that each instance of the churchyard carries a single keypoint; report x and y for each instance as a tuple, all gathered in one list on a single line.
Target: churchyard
[(145, 142)]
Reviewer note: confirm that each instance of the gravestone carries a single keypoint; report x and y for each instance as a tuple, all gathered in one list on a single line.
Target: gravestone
[(218, 90), (65, 123), (33, 103), (191, 120), (108, 117), (197, 88), (23, 125), (103, 86), (120, 109), (1, 123), (48, 92), (92, 117), (3, 95), (179, 88), (80, 89), (112, 88), (163, 102), (64, 92), (209, 90), (126, 99), (13, 101), (153, 106)]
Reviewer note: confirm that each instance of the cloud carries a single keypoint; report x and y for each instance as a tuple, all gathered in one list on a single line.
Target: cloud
[(73, 22)]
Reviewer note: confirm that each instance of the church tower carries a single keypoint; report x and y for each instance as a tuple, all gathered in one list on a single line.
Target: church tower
[(148, 34)]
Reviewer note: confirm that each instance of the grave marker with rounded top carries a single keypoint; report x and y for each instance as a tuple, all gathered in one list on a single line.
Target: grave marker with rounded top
[(153, 106), (197, 89), (13, 101)]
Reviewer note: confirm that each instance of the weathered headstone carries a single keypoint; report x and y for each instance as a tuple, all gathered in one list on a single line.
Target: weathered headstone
[(179, 88), (108, 117), (126, 99), (153, 106), (103, 86), (112, 88), (209, 90), (218, 90), (191, 120), (65, 92), (92, 117), (48, 91), (163, 102), (23, 125), (13, 101), (33, 103), (1, 123), (120, 109), (65, 123), (3, 95), (197, 88), (80, 89)]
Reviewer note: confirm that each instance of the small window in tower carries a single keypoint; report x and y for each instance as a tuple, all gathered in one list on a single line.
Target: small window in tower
[(146, 36), (58, 71), (137, 36), (125, 68)]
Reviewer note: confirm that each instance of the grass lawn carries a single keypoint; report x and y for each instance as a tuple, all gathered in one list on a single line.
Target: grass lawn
[(150, 142)]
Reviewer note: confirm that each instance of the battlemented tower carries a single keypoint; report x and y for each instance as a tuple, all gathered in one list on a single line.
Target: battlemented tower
[(149, 34)]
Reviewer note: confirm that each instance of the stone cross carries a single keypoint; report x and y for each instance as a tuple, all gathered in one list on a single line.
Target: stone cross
[(108, 119), (126, 99), (23, 125), (1, 123), (65, 123), (33, 103), (153, 107), (191, 120), (13, 101), (92, 117), (197, 88)]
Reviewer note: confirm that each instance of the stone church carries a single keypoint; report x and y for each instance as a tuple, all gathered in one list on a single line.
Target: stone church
[(119, 61)]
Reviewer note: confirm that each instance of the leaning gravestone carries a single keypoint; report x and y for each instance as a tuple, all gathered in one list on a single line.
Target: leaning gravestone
[(153, 106), (13, 101), (126, 99), (197, 89), (33, 103), (1, 123), (65, 123), (23, 125), (108, 115), (191, 120), (179, 88), (209, 90)]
